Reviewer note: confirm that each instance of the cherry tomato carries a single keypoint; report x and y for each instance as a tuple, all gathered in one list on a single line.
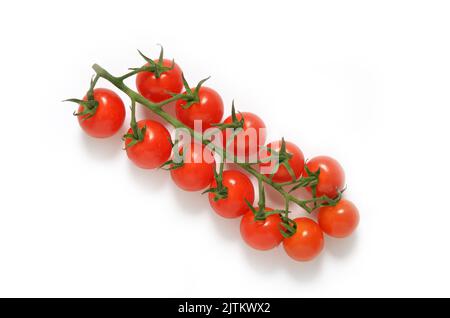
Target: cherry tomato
[(261, 235), (306, 243), (209, 109), (339, 220), (154, 149), (249, 146), (331, 177), (197, 172), (240, 188), (155, 88), (108, 117), (297, 162)]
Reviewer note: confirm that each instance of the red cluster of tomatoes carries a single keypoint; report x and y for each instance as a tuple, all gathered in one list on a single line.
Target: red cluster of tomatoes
[(153, 147)]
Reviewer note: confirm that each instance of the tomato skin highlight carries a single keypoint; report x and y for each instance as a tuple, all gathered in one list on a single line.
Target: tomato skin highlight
[(156, 89), (306, 243), (209, 109), (239, 188), (154, 149), (109, 115), (261, 235), (297, 162), (331, 178), (251, 121), (340, 220), (194, 175)]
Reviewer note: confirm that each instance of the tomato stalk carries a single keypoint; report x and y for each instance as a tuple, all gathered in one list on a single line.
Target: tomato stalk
[(156, 68), (260, 214), (90, 104), (220, 191), (311, 180), (282, 158), (90, 93), (190, 96), (137, 135), (235, 122)]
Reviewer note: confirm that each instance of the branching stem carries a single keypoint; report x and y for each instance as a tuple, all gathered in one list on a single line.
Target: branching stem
[(157, 108)]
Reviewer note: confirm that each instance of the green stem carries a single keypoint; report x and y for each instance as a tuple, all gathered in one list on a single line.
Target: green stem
[(129, 74), (133, 123)]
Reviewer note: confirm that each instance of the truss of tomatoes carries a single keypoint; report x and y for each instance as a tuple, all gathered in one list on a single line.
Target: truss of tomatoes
[(231, 194)]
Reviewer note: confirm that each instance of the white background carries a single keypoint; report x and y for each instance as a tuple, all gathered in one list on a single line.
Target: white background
[(366, 82)]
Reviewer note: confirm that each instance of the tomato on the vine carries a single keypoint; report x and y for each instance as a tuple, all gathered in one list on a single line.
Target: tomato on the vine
[(108, 117), (253, 135), (239, 188), (296, 162), (156, 89), (197, 169), (193, 168), (331, 177), (261, 234), (209, 109), (154, 149), (307, 241), (339, 220)]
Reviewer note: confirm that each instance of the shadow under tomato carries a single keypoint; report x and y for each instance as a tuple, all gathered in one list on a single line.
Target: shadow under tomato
[(277, 260), (103, 148), (190, 202), (227, 228), (341, 247), (151, 179)]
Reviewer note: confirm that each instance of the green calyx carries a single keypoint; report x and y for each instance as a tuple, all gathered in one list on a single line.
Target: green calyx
[(220, 191), (282, 158), (236, 123), (318, 202), (260, 213), (283, 155), (191, 96), (137, 134), (156, 68), (310, 180), (287, 227), (171, 165), (176, 162), (90, 105)]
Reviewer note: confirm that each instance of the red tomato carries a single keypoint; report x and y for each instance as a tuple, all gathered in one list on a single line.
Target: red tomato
[(154, 149), (250, 145), (197, 172), (306, 243), (209, 109), (108, 117), (155, 88), (239, 188), (339, 220), (297, 162), (331, 178), (261, 235)]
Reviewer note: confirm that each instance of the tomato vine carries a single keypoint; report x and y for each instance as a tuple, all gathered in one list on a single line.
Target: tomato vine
[(287, 175), (157, 108)]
